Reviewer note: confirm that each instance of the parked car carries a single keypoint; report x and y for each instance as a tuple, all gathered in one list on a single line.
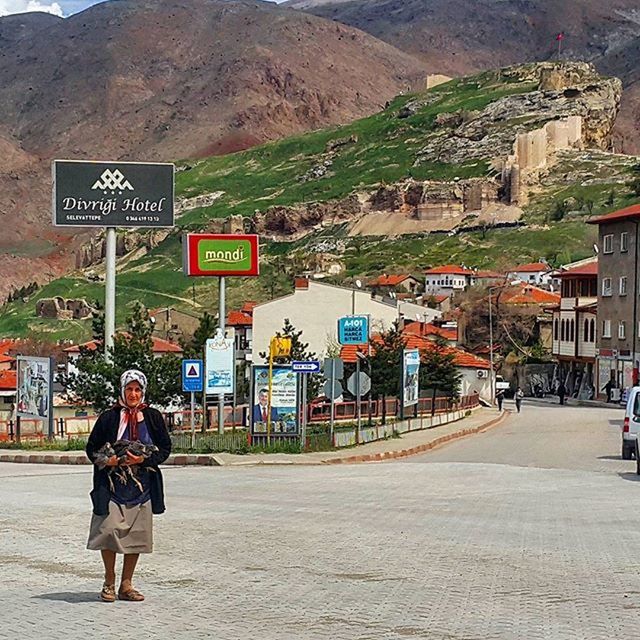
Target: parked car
[(631, 425)]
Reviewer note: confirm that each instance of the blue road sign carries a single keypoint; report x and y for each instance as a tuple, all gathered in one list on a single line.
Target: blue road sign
[(192, 375), (353, 330), (310, 366)]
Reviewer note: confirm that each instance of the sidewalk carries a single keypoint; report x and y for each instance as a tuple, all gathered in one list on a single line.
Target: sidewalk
[(574, 402), (408, 444)]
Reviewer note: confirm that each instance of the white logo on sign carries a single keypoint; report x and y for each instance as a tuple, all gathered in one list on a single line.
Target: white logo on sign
[(112, 181)]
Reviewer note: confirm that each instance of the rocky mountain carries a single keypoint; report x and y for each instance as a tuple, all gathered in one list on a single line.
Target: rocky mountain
[(457, 37), (163, 80)]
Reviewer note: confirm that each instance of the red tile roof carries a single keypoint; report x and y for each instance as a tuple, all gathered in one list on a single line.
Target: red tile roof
[(6, 358), (7, 345), (529, 295), (159, 346), (462, 358), (239, 319), (8, 380), (589, 269), (489, 274), (248, 306), (531, 267), (451, 269), (428, 329), (389, 281), (627, 213)]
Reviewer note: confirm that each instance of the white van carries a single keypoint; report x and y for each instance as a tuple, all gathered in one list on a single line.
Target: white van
[(631, 425)]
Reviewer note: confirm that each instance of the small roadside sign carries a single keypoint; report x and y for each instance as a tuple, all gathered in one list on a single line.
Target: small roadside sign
[(333, 366), (309, 366), (192, 375), (353, 330)]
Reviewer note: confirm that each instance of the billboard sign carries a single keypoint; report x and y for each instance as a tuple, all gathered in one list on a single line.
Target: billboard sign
[(34, 397), (353, 330), (219, 365), (209, 254), (192, 376), (284, 401), (410, 377), (112, 194)]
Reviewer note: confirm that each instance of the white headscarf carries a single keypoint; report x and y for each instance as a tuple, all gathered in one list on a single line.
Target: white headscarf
[(126, 415)]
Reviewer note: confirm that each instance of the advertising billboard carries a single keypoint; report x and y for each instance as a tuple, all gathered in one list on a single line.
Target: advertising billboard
[(353, 330), (284, 401), (219, 375), (410, 377), (209, 254), (34, 397), (112, 194)]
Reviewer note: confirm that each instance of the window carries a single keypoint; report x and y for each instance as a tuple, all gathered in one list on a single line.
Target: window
[(564, 331), (624, 242), (623, 285), (606, 328), (606, 287), (556, 329), (592, 331), (622, 329), (608, 243), (585, 336), (572, 331)]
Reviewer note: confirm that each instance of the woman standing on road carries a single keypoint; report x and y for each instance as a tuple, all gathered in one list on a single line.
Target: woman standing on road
[(519, 396), (122, 520)]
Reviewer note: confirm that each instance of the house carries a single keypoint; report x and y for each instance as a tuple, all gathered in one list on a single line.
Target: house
[(315, 307), (160, 347), (618, 314), (447, 279), (172, 325), (575, 328), (399, 282), (441, 302), (242, 323), (537, 273), (428, 330), (8, 386), (475, 371)]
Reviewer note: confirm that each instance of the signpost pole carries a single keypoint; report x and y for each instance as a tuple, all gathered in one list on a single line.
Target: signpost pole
[(50, 399), (110, 293), (303, 437), (222, 328), (358, 399), (333, 401), (193, 420)]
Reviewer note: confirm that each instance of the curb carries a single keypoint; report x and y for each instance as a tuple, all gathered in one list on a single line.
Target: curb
[(212, 460), (404, 453)]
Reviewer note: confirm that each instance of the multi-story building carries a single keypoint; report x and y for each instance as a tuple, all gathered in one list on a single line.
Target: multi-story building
[(537, 273), (618, 312), (447, 279), (575, 329)]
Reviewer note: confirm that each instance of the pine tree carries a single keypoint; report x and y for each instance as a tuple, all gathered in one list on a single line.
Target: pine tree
[(438, 371)]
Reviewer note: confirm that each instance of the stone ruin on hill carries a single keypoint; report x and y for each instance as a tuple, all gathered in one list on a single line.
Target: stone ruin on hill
[(62, 309)]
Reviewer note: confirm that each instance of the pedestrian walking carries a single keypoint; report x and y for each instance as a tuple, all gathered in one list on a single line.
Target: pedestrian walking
[(607, 388), (122, 520), (562, 392), (500, 398), (519, 396)]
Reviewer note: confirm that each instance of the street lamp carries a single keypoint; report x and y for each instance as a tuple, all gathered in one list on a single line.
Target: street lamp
[(353, 297)]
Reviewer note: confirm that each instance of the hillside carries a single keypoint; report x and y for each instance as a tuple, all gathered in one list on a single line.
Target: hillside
[(457, 37), (160, 80), (306, 195)]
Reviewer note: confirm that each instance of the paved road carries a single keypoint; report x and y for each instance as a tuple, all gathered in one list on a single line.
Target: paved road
[(484, 545)]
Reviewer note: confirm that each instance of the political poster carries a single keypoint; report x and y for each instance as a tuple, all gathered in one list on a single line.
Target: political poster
[(35, 388), (410, 377), (283, 410)]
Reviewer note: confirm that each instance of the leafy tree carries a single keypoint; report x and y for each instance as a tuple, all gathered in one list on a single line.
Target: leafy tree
[(386, 363), (194, 347), (438, 372), (97, 381), (299, 351)]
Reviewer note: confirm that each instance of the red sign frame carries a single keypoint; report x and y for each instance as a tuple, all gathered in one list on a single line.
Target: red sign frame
[(190, 253)]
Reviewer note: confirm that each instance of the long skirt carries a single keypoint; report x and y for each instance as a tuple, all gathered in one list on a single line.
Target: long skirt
[(127, 529)]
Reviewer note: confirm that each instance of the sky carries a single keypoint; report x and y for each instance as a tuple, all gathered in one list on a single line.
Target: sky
[(59, 8)]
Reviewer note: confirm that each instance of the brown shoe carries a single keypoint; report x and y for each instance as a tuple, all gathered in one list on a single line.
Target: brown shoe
[(131, 595), (108, 593)]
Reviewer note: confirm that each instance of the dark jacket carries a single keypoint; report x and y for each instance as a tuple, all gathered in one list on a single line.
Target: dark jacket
[(106, 430)]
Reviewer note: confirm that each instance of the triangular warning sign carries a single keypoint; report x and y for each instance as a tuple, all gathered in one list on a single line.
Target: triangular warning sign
[(193, 372)]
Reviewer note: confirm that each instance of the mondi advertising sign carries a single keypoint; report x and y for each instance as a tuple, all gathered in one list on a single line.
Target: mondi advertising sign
[(112, 194), (220, 255)]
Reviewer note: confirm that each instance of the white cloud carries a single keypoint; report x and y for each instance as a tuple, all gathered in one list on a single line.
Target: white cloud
[(8, 7)]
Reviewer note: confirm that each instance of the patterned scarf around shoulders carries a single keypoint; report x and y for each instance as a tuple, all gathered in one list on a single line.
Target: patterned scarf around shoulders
[(129, 418)]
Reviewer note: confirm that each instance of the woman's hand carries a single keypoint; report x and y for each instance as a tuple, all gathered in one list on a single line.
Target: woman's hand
[(112, 461), (132, 459)]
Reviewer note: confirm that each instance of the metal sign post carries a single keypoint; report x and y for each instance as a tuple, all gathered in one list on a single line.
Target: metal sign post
[(333, 401), (110, 294), (221, 324), (192, 381), (303, 436)]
